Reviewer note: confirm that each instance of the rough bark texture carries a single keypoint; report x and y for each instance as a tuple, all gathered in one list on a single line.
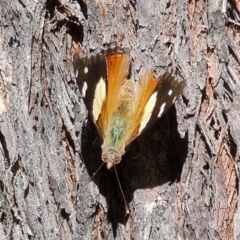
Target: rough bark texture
[(180, 178)]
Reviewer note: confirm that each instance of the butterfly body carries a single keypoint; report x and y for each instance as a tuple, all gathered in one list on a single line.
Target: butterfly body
[(121, 108), (119, 124)]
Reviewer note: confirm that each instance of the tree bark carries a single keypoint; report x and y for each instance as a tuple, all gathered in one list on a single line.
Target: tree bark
[(180, 178)]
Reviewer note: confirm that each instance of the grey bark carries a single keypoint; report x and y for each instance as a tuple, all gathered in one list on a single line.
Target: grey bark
[(180, 179)]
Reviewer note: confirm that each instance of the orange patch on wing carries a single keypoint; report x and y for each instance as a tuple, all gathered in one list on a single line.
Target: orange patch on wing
[(147, 85), (118, 67)]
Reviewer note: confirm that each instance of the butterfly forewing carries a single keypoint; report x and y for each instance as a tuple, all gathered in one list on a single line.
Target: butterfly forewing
[(167, 91), (144, 89), (157, 95), (117, 68), (91, 74)]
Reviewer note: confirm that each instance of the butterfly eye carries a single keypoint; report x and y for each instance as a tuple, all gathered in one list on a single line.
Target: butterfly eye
[(117, 159)]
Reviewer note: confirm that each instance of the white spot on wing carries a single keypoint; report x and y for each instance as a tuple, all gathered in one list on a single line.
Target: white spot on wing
[(85, 70), (174, 99), (161, 109), (84, 89), (76, 73), (148, 111), (170, 92), (99, 96)]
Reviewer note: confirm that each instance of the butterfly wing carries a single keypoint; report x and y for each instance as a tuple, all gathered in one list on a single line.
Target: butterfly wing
[(156, 97), (99, 79), (91, 74), (117, 67)]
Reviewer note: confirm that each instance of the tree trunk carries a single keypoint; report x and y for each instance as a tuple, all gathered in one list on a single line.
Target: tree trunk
[(180, 178)]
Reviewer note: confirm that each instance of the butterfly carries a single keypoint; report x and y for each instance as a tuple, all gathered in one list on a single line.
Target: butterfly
[(120, 108)]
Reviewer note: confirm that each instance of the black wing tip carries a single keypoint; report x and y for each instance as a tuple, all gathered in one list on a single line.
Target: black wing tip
[(168, 77)]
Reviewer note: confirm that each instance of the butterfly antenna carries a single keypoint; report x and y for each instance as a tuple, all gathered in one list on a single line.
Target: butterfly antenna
[(126, 206), (91, 178)]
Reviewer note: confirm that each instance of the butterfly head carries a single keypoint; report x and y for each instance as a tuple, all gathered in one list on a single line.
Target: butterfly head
[(111, 156)]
